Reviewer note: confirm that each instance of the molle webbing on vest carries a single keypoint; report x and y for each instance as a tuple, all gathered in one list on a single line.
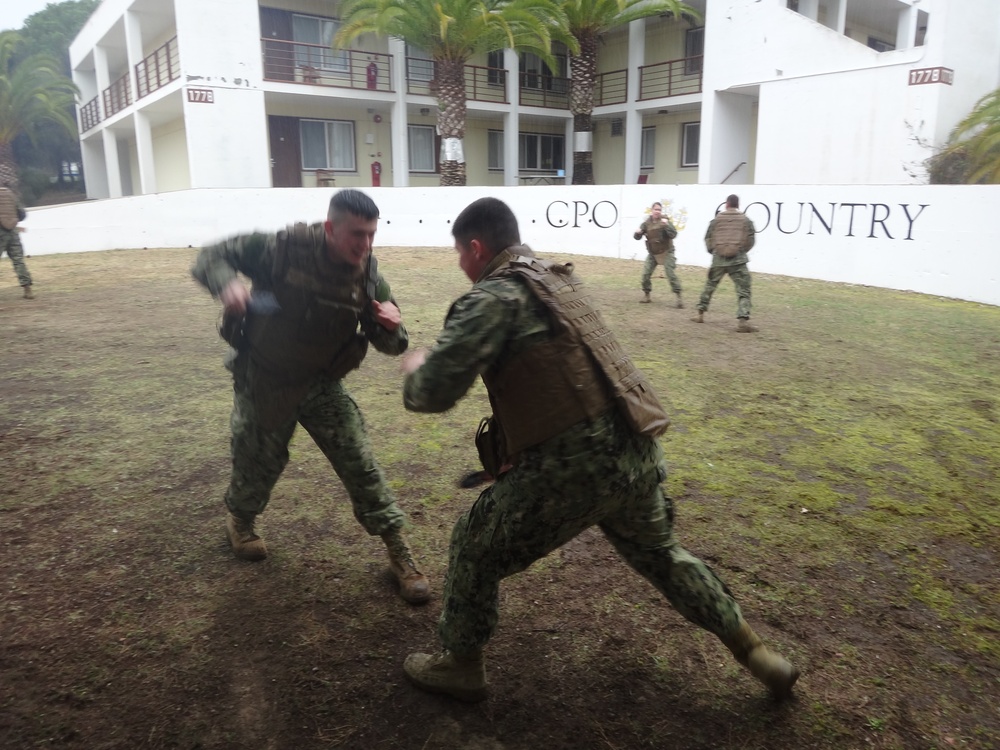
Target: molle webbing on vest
[(8, 208), (729, 235), (586, 376), (657, 241)]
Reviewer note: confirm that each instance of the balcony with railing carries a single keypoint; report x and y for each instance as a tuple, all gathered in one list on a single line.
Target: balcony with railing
[(482, 84), (90, 114), (117, 96), (319, 65), (158, 69), (539, 90), (671, 78), (611, 88)]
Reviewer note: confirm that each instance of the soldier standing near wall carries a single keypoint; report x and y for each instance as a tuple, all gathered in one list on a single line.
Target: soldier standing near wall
[(325, 301), (729, 238), (659, 232), (11, 213)]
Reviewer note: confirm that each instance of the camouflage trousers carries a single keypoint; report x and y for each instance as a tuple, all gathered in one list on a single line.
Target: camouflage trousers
[(741, 279), (333, 420), (594, 473), (10, 243), (669, 263)]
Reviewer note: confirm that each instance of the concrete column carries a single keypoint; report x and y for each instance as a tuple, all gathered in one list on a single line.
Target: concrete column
[(103, 76), (809, 9), (568, 158), (511, 118), (399, 130), (838, 15), (144, 149), (94, 169), (906, 28), (133, 49), (111, 165), (633, 118)]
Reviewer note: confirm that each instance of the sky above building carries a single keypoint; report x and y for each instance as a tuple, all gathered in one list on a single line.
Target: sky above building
[(14, 12)]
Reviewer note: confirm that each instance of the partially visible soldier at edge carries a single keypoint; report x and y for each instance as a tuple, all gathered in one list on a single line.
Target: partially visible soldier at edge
[(659, 232), (327, 302), (11, 213), (729, 238), (579, 424)]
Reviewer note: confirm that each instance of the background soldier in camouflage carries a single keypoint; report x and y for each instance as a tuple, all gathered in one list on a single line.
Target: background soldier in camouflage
[(541, 360), (659, 232), (12, 212), (729, 238), (295, 336)]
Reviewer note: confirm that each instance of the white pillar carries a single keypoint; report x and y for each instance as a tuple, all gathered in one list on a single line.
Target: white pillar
[(111, 165), (633, 118), (809, 9), (906, 28), (133, 49), (144, 149), (838, 16), (568, 159), (511, 118), (399, 131)]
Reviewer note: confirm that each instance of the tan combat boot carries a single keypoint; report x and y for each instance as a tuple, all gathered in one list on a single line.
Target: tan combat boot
[(743, 326), (462, 677), (413, 586), (768, 667), (699, 318), (645, 298), (246, 544), (680, 302), (28, 294)]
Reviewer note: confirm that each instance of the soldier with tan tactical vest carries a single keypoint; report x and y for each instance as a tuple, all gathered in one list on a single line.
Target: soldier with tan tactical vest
[(572, 441), (317, 301), (729, 238), (11, 213), (659, 232)]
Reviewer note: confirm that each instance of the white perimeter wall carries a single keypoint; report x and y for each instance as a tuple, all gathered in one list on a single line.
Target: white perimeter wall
[(937, 239)]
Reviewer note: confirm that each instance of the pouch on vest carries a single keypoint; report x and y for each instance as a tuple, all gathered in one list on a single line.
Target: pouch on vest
[(490, 444), (349, 357), (232, 331)]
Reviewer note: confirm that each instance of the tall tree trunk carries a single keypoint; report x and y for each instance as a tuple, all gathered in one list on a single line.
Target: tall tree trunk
[(581, 104), (8, 166), (450, 77)]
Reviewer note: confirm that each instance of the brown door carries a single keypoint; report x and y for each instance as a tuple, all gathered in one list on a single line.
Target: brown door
[(286, 156)]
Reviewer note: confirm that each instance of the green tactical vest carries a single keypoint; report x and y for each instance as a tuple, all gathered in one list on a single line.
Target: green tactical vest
[(731, 233), (579, 374)]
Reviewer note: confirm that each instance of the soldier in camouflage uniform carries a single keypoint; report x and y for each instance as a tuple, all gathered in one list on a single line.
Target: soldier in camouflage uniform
[(12, 212), (574, 432), (317, 300), (659, 233), (729, 238)]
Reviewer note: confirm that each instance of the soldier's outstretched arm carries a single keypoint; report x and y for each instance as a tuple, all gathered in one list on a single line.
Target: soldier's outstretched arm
[(218, 264)]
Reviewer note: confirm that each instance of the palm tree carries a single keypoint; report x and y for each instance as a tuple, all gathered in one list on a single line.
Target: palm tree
[(973, 147), (33, 91), (452, 32), (587, 20)]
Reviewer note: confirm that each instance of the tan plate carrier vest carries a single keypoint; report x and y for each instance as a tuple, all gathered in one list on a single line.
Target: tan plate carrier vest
[(576, 375), (315, 330), (8, 209), (731, 234)]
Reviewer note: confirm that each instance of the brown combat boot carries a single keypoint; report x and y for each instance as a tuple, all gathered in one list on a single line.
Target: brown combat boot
[(743, 326), (645, 298), (246, 544), (680, 302), (413, 586), (462, 677), (699, 318), (28, 294), (768, 667)]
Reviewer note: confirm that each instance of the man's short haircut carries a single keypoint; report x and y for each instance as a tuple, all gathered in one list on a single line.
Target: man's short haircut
[(490, 221), (733, 201), (352, 202), (656, 203)]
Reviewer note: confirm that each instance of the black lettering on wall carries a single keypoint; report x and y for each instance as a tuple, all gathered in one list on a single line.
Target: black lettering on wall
[(777, 221), (876, 220), (827, 227), (911, 219)]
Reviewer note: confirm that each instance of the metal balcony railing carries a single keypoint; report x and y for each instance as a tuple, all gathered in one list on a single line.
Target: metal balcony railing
[(90, 114), (539, 90), (671, 78), (611, 88), (161, 67), (482, 84), (319, 65), (117, 96)]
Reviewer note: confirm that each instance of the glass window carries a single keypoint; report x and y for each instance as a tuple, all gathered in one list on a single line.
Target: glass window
[(327, 144), (647, 156), (317, 31), (421, 139), (495, 149), (689, 146), (541, 151), (419, 65), (694, 49), (494, 61)]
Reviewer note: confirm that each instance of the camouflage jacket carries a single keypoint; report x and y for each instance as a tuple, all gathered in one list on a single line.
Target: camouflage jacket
[(736, 260)]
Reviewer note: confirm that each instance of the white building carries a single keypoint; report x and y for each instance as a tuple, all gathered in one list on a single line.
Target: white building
[(183, 94)]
